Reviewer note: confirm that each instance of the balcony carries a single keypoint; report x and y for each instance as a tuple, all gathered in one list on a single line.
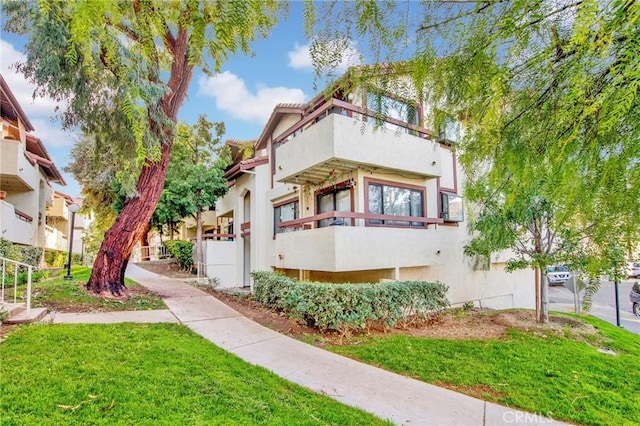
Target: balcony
[(339, 143), (17, 174), (17, 226), (59, 209), (359, 247)]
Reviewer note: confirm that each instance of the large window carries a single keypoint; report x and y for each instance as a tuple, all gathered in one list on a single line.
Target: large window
[(395, 201), (393, 108), (335, 200), (283, 213)]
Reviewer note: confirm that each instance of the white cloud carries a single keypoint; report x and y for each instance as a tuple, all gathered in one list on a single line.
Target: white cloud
[(334, 54), (51, 134), (300, 57), (231, 95), (21, 88)]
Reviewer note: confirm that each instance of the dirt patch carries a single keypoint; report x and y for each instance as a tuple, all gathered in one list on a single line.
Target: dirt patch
[(451, 324), (167, 267)]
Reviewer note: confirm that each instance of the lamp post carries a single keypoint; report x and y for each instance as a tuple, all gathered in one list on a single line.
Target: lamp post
[(73, 208)]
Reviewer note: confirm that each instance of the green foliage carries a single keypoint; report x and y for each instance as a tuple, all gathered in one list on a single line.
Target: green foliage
[(158, 373), (549, 95), (25, 254), (55, 258), (182, 251), (347, 307)]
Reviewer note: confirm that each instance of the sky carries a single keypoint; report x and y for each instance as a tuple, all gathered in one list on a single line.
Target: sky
[(242, 95)]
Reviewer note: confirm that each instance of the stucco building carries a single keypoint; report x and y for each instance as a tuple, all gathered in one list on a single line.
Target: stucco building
[(26, 174), (357, 186)]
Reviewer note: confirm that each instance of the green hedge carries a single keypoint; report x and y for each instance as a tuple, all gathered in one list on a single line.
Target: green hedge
[(347, 307), (182, 251)]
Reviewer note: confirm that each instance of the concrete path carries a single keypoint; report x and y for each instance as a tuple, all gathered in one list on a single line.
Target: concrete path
[(390, 396)]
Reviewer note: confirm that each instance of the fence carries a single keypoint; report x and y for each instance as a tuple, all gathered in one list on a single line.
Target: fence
[(150, 253), (6, 273)]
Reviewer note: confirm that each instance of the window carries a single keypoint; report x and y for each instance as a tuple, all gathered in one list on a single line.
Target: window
[(393, 108), (395, 201), (283, 213), (451, 207), (448, 129), (336, 200)]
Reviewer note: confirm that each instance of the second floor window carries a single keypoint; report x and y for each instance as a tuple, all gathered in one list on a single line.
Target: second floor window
[(392, 108), (283, 213), (337, 200), (395, 201)]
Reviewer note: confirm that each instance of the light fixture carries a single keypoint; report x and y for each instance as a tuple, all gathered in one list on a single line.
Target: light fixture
[(73, 208)]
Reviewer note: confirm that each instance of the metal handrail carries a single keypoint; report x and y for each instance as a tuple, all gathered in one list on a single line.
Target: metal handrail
[(15, 280)]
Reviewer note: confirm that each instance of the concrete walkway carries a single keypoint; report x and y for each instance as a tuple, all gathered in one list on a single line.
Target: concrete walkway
[(388, 395)]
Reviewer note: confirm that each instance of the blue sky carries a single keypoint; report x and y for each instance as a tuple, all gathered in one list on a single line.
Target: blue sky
[(242, 95)]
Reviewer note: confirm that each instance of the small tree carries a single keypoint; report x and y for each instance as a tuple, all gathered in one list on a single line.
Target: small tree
[(195, 178)]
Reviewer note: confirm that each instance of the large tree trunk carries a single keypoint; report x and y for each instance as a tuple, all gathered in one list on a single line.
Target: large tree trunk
[(131, 223), (111, 260)]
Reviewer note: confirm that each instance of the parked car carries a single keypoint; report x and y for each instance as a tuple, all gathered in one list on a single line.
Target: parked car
[(557, 274), (634, 296), (633, 270)]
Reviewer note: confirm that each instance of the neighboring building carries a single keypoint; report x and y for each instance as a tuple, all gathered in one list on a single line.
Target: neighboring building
[(58, 226), (338, 192), (26, 174)]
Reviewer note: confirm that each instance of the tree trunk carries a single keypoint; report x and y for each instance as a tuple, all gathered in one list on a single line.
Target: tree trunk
[(544, 298), (537, 291), (121, 238)]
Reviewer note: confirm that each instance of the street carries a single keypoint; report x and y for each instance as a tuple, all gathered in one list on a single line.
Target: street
[(604, 303)]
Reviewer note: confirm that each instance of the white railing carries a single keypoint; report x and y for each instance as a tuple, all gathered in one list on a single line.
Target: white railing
[(150, 253), (6, 265)]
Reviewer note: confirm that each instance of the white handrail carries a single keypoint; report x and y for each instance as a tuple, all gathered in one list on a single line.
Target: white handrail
[(15, 280)]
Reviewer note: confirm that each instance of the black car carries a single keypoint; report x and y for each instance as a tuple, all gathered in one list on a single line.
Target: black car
[(634, 296)]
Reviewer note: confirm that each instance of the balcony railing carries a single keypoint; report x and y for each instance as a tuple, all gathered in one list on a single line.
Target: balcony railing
[(358, 219), (336, 106)]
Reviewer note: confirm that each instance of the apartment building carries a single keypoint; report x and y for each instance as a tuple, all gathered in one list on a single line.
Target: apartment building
[(26, 174), (357, 186), (59, 220)]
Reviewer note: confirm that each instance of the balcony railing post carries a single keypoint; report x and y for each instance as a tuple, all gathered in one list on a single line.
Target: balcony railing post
[(29, 272)]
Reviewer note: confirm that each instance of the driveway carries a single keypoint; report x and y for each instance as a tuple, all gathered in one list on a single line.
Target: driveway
[(604, 303)]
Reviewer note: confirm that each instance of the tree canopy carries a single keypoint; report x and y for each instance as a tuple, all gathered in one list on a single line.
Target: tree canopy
[(120, 70), (548, 93)]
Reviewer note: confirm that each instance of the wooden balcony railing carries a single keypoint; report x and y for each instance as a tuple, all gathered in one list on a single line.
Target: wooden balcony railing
[(360, 219)]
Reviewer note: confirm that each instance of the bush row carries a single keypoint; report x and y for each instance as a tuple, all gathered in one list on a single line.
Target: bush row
[(23, 254), (347, 307), (182, 251)]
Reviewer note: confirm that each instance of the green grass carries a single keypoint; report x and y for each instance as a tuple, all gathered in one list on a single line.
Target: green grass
[(147, 374), (61, 295), (546, 373)]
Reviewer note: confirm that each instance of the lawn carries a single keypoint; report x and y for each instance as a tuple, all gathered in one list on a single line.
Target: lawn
[(146, 374), (62, 295), (550, 373)]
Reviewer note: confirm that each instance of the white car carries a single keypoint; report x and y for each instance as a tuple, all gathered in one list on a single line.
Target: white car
[(633, 270), (557, 274)]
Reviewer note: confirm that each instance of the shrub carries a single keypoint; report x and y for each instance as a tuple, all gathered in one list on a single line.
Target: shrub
[(182, 251), (55, 258), (345, 307)]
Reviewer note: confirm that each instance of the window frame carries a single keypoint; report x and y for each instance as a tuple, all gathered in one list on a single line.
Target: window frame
[(398, 185), (342, 186), (279, 205), (445, 207)]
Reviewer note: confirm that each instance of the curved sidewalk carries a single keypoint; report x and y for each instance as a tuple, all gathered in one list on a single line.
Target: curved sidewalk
[(388, 395)]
